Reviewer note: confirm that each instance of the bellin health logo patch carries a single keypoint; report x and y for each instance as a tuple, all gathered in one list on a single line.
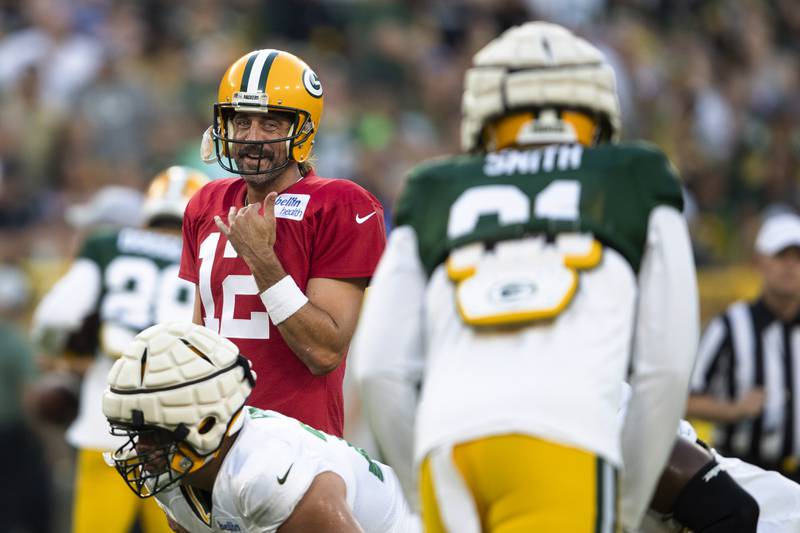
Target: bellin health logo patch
[(292, 206)]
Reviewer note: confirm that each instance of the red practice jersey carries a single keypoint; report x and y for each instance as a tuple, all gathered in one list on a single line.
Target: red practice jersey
[(325, 228)]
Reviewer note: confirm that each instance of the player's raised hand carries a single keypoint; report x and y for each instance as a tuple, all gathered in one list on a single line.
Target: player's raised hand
[(251, 233)]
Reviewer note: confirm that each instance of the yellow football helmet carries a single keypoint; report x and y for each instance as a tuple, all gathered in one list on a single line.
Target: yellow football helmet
[(169, 192), (268, 81)]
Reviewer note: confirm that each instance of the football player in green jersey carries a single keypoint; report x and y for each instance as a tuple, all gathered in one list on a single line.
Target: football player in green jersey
[(526, 280), (122, 281)]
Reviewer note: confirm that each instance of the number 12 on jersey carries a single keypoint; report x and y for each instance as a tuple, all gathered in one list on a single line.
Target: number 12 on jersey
[(233, 285), (522, 280)]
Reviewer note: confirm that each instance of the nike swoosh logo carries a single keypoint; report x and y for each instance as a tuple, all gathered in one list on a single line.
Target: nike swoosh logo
[(361, 220), (282, 480)]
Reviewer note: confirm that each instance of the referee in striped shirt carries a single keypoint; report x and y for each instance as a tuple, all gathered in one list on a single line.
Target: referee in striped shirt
[(748, 366)]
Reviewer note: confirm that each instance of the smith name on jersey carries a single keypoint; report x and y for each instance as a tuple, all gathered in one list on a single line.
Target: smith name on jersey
[(608, 191)]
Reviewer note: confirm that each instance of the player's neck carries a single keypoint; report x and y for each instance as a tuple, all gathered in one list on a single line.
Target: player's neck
[(205, 477), (256, 192)]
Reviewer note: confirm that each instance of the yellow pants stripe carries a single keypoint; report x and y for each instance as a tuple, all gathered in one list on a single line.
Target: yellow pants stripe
[(522, 484), (103, 502)]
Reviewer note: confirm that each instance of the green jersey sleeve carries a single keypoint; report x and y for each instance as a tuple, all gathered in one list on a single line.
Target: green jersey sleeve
[(659, 179)]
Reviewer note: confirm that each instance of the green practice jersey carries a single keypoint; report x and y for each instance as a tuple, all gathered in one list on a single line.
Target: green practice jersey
[(138, 277), (608, 191)]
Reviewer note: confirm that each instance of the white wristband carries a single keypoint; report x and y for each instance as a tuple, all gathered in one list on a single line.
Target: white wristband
[(283, 299)]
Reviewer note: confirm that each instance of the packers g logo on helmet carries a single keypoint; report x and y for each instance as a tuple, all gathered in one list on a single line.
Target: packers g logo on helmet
[(312, 83), (265, 81)]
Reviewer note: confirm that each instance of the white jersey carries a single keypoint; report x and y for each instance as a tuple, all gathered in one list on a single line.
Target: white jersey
[(270, 467), (559, 380), (504, 382), (778, 497)]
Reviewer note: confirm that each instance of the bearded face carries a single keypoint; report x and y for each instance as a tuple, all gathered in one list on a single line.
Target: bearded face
[(259, 146)]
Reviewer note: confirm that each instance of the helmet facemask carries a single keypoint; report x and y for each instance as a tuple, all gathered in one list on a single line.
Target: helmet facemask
[(165, 457), (265, 81), (176, 393), (150, 469), (228, 148)]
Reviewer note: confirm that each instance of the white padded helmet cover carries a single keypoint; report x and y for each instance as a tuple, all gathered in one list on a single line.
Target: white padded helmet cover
[(536, 65), (171, 384)]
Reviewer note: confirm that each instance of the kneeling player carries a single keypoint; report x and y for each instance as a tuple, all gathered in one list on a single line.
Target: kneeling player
[(708, 493), (178, 394)]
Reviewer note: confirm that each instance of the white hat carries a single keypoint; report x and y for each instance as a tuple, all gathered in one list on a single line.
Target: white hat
[(112, 205), (778, 233)]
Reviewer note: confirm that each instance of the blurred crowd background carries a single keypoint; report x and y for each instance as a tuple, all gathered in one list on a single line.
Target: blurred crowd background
[(100, 95)]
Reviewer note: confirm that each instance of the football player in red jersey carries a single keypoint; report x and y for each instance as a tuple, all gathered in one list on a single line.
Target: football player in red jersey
[(280, 256)]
